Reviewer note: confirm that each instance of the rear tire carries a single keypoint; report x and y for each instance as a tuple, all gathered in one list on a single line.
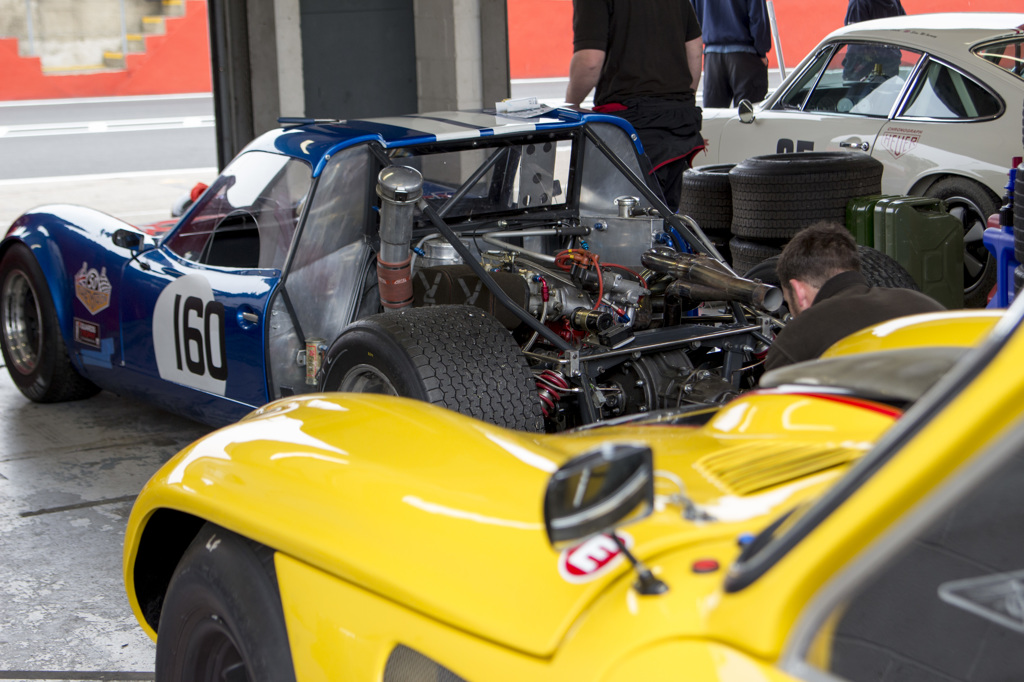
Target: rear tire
[(878, 269), (972, 204), (30, 337), (222, 618), (455, 356)]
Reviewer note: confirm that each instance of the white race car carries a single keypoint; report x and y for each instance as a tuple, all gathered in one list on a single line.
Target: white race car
[(936, 98)]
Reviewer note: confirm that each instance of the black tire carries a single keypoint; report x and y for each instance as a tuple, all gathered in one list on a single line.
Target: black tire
[(972, 204), (222, 614), (30, 337), (1018, 279), (455, 356), (878, 269), (776, 195), (1018, 215), (707, 198), (746, 255)]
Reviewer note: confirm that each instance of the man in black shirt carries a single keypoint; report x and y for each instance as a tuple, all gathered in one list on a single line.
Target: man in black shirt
[(819, 270), (644, 58)]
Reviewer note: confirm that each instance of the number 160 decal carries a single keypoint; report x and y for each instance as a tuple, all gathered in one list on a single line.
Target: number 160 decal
[(188, 335)]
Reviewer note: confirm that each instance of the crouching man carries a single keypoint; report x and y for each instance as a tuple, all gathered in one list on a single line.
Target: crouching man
[(819, 271)]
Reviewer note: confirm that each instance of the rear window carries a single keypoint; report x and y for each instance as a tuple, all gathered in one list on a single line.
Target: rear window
[(1006, 54)]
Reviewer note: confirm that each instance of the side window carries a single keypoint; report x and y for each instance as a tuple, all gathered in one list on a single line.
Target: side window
[(247, 218), (862, 78), (325, 276), (950, 606), (794, 99), (942, 92)]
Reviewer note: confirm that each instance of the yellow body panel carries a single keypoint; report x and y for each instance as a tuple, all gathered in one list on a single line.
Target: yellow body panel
[(420, 519), (398, 523), (950, 328)]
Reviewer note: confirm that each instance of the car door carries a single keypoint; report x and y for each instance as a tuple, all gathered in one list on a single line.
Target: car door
[(841, 100), (193, 309)]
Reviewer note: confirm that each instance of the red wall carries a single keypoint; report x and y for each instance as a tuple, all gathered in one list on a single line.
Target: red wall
[(540, 31), (540, 46), (175, 62)]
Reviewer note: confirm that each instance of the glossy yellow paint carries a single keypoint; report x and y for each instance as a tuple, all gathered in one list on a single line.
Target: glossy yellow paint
[(977, 417), (624, 637), (308, 476), (436, 541), (950, 328)]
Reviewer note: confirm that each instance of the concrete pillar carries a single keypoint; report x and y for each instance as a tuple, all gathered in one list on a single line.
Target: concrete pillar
[(461, 53)]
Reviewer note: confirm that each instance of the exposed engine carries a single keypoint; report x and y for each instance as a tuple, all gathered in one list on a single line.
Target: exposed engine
[(618, 321)]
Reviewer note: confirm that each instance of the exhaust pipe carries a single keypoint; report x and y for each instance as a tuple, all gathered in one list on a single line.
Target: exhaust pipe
[(705, 278), (399, 188)]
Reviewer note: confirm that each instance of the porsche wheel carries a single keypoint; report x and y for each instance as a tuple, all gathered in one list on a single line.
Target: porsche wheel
[(972, 204), (222, 617), (30, 337), (455, 356)]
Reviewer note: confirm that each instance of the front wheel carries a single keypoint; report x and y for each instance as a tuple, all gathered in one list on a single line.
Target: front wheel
[(971, 204), (458, 357), (30, 337), (222, 617)]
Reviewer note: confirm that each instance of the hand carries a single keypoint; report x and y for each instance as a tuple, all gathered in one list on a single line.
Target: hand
[(764, 60)]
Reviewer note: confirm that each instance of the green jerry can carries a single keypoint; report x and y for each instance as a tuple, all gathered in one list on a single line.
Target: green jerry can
[(860, 217), (925, 239)]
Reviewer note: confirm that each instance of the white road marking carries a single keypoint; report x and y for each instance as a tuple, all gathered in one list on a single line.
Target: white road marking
[(125, 125), (199, 173)]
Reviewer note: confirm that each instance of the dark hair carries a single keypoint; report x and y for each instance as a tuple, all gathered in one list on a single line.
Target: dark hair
[(817, 254)]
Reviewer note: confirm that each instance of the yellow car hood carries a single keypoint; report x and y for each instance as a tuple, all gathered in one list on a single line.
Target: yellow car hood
[(447, 520)]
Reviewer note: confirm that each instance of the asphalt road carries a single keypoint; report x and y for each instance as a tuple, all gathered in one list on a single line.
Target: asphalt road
[(131, 157)]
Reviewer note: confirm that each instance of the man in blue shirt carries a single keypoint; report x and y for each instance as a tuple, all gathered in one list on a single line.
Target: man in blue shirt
[(737, 38)]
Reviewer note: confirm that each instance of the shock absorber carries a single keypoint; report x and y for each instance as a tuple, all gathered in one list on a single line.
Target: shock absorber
[(550, 385)]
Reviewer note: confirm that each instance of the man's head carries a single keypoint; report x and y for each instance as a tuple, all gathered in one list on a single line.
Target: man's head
[(811, 258)]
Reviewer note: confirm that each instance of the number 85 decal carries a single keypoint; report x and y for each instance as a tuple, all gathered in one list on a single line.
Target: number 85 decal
[(188, 335)]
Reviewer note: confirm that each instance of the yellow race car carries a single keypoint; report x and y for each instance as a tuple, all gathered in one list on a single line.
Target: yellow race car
[(828, 526)]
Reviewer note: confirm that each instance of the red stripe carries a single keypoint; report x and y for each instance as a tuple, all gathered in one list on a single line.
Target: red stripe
[(870, 405)]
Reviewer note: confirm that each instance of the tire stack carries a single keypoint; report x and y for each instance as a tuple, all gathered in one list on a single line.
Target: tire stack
[(776, 195), (707, 198), (1018, 221)]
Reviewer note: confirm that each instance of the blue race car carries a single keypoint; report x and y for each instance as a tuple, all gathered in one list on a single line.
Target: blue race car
[(518, 269)]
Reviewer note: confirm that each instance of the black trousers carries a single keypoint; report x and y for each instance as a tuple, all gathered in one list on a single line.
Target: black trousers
[(732, 76), (670, 133)]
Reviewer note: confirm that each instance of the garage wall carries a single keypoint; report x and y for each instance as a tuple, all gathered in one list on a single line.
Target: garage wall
[(359, 57)]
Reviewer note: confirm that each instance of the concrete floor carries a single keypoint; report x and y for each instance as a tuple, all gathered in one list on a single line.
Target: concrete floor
[(68, 475)]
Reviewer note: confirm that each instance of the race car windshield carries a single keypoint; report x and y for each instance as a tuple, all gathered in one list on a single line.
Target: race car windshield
[(1006, 54), (503, 177), (787, 532)]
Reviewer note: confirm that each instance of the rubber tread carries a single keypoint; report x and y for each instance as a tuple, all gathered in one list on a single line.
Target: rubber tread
[(707, 198), (879, 269), (55, 379), (745, 255), (777, 195), (466, 361), (1018, 216)]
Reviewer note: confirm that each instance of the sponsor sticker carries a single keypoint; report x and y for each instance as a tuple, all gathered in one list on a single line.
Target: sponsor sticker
[(87, 333), (188, 335), (899, 141), (593, 558), (92, 288)]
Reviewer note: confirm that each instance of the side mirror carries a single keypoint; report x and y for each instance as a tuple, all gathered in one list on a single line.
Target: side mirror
[(127, 239), (745, 111), (598, 491)]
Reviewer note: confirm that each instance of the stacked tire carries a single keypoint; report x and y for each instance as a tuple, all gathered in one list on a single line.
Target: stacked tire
[(707, 198), (1018, 221), (774, 196)]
